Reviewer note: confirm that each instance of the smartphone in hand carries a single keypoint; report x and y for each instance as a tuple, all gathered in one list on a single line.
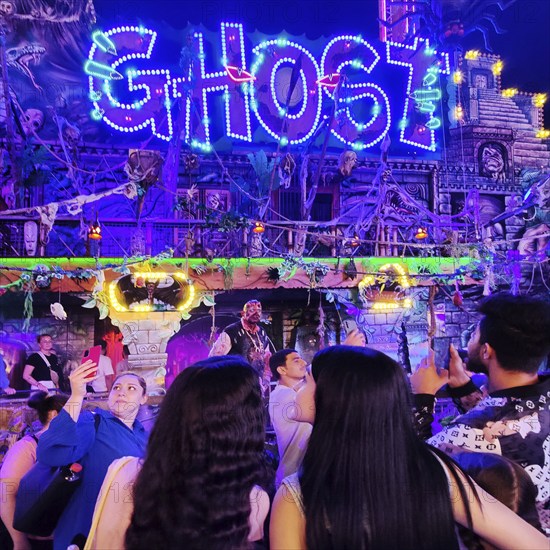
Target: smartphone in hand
[(349, 325), (442, 354), (91, 354)]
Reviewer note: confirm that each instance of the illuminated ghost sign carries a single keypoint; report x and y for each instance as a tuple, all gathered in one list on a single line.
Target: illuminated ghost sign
[(285, 89)]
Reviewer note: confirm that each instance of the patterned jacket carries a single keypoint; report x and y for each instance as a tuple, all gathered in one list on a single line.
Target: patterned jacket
[(514, 423)]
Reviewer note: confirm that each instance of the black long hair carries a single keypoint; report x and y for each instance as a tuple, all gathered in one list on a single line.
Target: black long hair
[(43, 404), (202, 461), (368, 482), (504, 479)]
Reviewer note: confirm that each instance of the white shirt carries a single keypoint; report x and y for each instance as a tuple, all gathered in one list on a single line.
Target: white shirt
[(104, 368), (292, 436)]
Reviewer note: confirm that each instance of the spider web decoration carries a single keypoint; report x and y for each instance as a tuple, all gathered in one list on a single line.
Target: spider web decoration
[(444, 22)]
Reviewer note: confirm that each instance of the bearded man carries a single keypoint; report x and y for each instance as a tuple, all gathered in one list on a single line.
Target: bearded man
[(247, 339)]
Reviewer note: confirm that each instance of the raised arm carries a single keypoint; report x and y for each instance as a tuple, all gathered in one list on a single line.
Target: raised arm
[(78, 379), (425, 383), (466, 395), (70, 434)]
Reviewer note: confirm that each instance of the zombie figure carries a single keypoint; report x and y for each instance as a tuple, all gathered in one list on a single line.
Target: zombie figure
[(247, 339)]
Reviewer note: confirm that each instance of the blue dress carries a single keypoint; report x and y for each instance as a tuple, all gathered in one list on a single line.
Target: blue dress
[(67, 441)]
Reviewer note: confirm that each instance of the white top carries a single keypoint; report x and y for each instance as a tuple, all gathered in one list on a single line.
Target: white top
[(104, 368), (292, 436)]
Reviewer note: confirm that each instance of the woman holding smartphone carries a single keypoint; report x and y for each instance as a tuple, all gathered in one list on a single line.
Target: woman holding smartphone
[(94, 440)]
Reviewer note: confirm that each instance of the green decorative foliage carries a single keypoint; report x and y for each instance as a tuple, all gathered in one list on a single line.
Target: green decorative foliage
[(227, 221), (28, 308), (267, 179), (103, 310), (208, 300)]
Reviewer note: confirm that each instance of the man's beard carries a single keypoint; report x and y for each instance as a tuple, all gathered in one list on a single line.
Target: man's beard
[(474, 363)]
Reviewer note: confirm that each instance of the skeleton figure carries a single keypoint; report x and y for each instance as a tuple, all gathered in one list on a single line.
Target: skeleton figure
[(32, 121), (492, 162), (347, 162), (71, 134), (7, 8), (54, 11), (537, 237), (286, 170)]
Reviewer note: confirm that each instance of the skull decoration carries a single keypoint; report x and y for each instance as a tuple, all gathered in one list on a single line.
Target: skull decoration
[(32, 121), (42, 276), (347, 162), (71, 134), (58, 311), (7, 8), (130, 191), (191, 162)]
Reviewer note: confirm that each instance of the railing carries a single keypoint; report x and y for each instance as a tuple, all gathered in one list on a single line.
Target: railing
[(195, 238)]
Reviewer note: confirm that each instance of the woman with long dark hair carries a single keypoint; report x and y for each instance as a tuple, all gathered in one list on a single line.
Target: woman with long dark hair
[(197, 485), (368, 482)]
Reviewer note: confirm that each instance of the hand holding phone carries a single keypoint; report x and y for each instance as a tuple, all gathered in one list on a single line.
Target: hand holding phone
[(354, 336), (428, 379), (349, 325), (457, 371), (441, 347), (91, 354)]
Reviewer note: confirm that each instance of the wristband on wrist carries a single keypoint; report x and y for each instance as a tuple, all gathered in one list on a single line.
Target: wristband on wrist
[(465, 389)]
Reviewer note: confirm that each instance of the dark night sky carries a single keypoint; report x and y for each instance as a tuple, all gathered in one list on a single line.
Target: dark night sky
[(525, 48)]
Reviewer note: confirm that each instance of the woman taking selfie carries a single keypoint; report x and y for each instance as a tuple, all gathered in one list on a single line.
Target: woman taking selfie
[(93, 440)]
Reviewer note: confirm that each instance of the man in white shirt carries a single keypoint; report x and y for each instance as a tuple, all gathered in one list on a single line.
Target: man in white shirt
[(105, 372), (289, 369)]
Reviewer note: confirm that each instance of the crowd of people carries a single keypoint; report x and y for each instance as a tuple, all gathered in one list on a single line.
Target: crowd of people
[(43, 371), (359, 466)]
